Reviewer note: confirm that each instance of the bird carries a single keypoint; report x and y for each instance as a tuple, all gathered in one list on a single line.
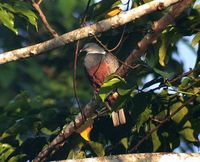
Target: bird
[(99, 64)]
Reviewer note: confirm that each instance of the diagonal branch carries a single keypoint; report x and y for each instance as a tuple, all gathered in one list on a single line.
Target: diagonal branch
[(90, 108), (43, 18), (151, 38), (87, 31)]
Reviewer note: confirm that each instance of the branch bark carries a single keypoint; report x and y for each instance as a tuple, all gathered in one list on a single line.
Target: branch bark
[(90, 108), (87, 31), (43, 18), (151, 38), (145, 157)]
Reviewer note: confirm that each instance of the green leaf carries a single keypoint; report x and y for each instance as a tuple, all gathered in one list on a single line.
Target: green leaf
[(163, 51), (143, 117), (22, 9), (80, 155), (139, 105), (165, 75), (30, 15), (71, 154), (19, 157), (155, 138), (188, 134), (196, 39), (7, 19), (178, 117), (184, 83), (124, 142), (123, 91), (111, 83), (97, 148), (47, 131), (5, 151), (19, 105)]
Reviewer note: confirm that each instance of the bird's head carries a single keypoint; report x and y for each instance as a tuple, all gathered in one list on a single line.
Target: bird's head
[(93, 48)]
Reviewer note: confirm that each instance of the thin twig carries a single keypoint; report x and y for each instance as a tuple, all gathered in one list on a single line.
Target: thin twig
[(109, 52), (180, 77), (74, 80), (75, 63), (43, 18), (185, 89), (120, 40), (39, 1), (86, 11)]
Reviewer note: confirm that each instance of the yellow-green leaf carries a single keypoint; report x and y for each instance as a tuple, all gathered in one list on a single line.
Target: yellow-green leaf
[(7, 19), (155, 139), (143, 117), (124, 142), (196, 39), (181, 114), (97, 148), (47, 131), (188, 134), (110, 84), (163, 52)]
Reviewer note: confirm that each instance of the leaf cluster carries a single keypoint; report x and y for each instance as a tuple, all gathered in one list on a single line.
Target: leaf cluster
[(37, 100)]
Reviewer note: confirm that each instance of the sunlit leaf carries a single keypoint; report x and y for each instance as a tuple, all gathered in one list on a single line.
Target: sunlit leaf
[(97, 148), (178, 117), (5, 151), (196, 39), (143, 117), (188, 134), (124, 142), (47, 131), (7, 19), (163, 51), (184, 83), (110, 84), (155, 138), (20, 157)]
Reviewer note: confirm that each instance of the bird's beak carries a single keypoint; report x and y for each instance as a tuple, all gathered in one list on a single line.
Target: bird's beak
[(82, 50)]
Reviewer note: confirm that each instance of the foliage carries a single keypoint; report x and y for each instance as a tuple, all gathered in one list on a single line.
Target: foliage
[(10, 10), (37, 98)]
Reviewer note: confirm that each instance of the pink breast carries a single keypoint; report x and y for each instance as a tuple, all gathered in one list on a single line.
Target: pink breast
[(98, 73)]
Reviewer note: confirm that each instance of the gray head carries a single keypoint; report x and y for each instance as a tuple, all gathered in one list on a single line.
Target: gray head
[(93, 48)]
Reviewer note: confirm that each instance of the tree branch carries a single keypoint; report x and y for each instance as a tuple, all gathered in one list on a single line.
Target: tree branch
[(43, 18), (143, 157), (90, 108), (151, 38), (87, 31)]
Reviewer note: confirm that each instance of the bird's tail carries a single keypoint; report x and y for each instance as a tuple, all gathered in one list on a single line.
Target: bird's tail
[(118, 117)]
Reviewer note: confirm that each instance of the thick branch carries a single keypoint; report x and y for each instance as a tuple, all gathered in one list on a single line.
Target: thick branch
[(150, 38), (159, 26), (87, 31), (69, 130), (145, 157)]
